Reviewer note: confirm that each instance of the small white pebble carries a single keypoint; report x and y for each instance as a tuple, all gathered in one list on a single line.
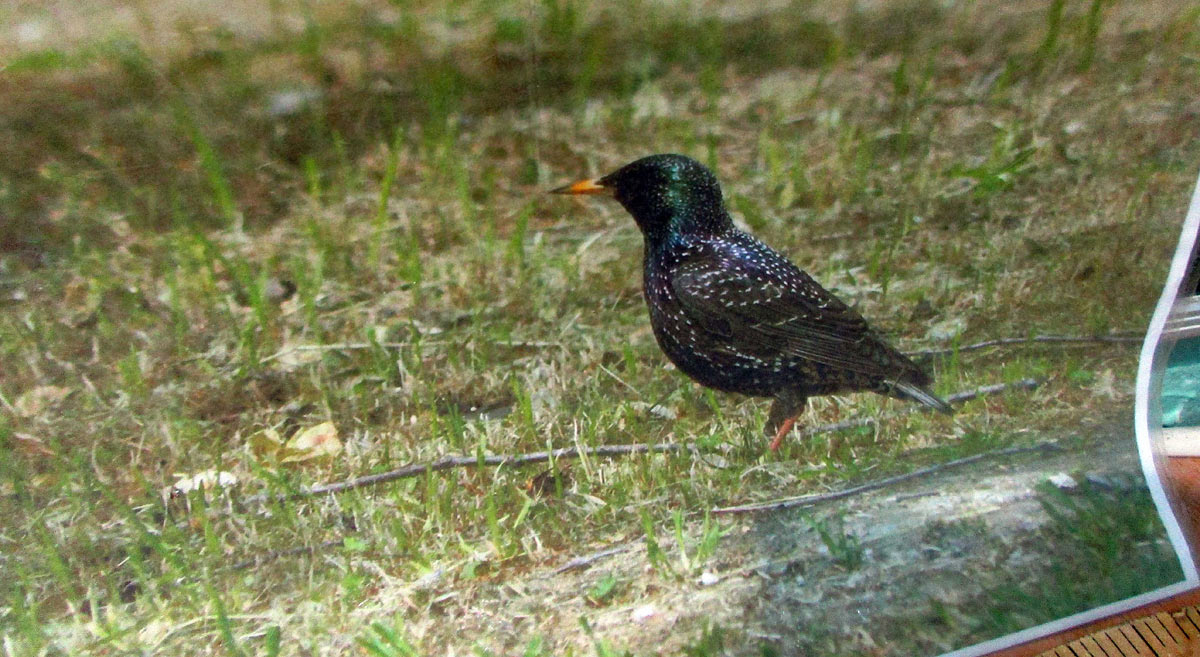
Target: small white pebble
[(1064, 481), (660, 411), (31, 32), (708, 579), (643, 613), (206, 479)]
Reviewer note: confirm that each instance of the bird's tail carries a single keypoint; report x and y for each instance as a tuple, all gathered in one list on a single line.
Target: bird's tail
[(922, 394)]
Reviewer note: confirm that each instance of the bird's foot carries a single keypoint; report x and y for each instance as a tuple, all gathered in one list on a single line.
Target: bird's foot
[(784, 429)]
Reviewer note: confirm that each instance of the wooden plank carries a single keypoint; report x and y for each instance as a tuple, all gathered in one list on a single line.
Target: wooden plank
[(1172, 627), (1184, 607), (1053, 652), (1193, 614), (1137, 645), (1164, 633), (1110, 648), (1122, 643), (1143, 628), (1088, 646), (1159, 635), (1184, 623), (1177, 643)]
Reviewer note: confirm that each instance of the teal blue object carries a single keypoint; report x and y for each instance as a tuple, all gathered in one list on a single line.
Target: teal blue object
[(1181, 385)]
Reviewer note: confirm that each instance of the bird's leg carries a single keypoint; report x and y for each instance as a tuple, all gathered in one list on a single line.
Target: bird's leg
[(786, 408), (784, 429)]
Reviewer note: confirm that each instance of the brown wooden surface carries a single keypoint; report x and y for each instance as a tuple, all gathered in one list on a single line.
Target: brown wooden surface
[(1153, 620), (1144, 631), (1183, 480)]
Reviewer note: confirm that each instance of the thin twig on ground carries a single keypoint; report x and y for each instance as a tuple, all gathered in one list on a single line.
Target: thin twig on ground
[(958, 397), (360, 346), (589, 559), (617, 450), (417, 469), (449, 462), (806, 500), (983, 391), (832, 237), (1058, 339)]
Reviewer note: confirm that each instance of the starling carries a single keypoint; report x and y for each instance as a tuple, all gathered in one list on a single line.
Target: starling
[(737, 316)]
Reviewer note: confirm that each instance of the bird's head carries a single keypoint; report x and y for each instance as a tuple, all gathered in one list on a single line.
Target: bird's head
[(664, 193)]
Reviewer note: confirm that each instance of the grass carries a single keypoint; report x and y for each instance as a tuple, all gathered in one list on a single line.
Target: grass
[(186, 204), (1106, 539), (844, 547)]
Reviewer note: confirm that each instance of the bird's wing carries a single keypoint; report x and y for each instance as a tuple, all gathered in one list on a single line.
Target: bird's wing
[(779, 310)]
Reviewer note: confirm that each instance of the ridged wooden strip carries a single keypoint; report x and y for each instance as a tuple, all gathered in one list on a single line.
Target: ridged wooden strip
[(1171, 626), (1106, 642), (1175, 634), (1142, 627), (1088, 646), (1122, 643), (1136, 642), (1189, 628)]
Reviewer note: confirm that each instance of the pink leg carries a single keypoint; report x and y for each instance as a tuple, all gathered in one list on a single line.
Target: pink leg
[(784, 429)]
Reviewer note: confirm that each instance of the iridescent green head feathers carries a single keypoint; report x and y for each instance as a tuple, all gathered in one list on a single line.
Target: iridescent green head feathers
[(665, 194)]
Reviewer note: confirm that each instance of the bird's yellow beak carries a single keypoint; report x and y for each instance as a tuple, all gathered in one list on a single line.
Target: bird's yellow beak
[(587, 186)]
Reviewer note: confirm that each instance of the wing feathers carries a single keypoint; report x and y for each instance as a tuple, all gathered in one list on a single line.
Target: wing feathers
[(778, 310)]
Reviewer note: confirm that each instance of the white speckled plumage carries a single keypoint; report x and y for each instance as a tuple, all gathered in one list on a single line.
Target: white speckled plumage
[(737, 316)]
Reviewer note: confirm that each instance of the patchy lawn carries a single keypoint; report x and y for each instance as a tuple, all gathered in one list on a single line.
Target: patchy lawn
[(222, 230)]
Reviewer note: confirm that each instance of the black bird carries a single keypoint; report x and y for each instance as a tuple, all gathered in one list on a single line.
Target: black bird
[(737, 316)]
